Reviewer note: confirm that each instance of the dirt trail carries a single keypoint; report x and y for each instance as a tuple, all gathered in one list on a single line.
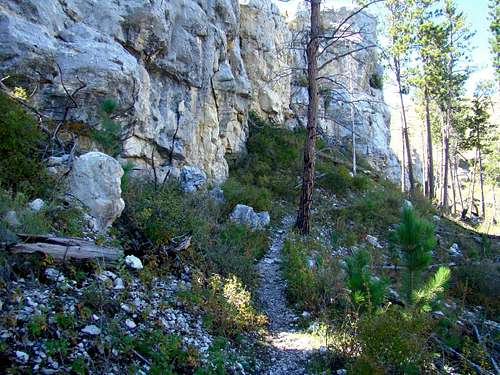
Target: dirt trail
[(289, 348)]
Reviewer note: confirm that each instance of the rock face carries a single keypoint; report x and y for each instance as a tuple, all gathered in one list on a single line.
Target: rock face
[(351, 94), (184, 74), (174, 68), (265, 38), (95, 181)]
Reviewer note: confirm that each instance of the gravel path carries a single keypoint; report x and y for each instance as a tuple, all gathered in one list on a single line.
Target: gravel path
[(288, 348)]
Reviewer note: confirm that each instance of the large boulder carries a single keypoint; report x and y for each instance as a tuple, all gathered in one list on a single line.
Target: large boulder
[(246, 215), (95, 181)]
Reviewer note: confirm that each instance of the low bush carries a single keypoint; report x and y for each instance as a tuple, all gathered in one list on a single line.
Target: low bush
[(312, 276), (227, 305), (107, 136), (367, 290), (154, 217), (393, 342), (477, 284), (55, 217), (374, 211), (273, 161), (376, 81), (237, 193), (236, 251), (21, 147), (335, 179)]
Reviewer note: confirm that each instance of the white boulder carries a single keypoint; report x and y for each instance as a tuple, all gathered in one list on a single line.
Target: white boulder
[(95, 180), (133, 262), (36, 205), (246, 215)]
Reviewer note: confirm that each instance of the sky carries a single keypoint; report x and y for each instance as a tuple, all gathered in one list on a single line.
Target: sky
[(476, 12)]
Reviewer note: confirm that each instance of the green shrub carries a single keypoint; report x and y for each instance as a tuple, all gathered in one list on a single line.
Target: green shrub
[(53, 217), (477, 284), (257, 197), (21, 147), (377, 81), (361, 182), (109, 133), (335, 179), (273, 161), (312, 276), (236, 250), (374, 211), (393, 342), (415, 238), (366, 290), (228, 306), (154, 217)]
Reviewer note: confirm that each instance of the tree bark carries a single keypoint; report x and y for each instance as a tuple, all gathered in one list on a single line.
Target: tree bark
[(455, 168), (304, 212), (405, 127), (473, 185), (453, 188), (446, 158), (481, 180), (430, 161)]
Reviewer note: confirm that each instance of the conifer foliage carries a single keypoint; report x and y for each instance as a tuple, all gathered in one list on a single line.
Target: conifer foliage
[(416, 240)]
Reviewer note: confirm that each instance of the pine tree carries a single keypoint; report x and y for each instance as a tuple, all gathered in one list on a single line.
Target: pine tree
[(475, 130), (429, 80), (416, 240), (457, 53), (495, 38), (366, 290), (401, 19)]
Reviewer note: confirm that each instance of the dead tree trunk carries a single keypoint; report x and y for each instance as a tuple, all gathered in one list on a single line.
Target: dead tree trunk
[(459, 186), (411, 178), (304, 212), (481, 179), (430, 161), (453, 189), (473, 185), (446, 158)]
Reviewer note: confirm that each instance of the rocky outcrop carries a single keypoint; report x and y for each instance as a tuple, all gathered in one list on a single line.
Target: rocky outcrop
[(95, 181), (351, 94), (174, 68), (184, 74), (265, 39)]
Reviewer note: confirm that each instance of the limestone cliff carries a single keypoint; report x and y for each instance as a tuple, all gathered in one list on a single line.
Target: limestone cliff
[(174, 67), (184, 74), (351, 96)]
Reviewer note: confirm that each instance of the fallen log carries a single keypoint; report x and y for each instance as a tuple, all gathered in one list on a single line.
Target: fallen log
[(62, 248)]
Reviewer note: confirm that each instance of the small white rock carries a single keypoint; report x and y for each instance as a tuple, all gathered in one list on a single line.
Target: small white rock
[(54, 275), (91, 330), (119, 284), (133, 262), (130, 324), (11, 218), (372, 240), (22, 356), (36, 205), (455, 250)]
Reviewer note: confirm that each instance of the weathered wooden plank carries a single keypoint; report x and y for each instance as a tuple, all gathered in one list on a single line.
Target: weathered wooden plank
[(65, 248)]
